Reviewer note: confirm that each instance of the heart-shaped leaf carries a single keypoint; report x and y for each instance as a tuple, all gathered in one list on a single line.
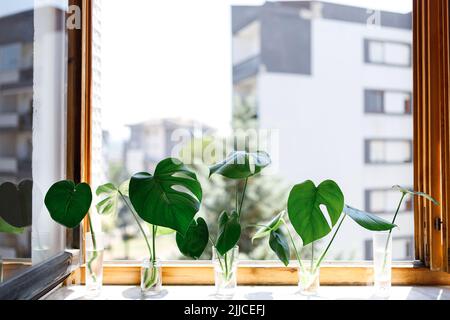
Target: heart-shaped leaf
[(367, 220), (68, 204), (416, 193), (305, 212), (7, 228), (273, 225), (241, 165), (229, 232), (169, 198), (279, 244), (194, 243), (16, 203)]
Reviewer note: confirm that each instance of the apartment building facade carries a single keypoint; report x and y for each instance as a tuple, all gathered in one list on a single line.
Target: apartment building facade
[(16, 96), (336, 81)]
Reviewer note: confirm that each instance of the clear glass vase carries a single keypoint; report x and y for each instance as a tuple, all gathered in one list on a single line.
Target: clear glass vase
[(94, 263), (309, 280), (151, 277), (225, 272), (382, 263)]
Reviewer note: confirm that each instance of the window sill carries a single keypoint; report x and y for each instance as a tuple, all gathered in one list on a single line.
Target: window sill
[(252, 293), (270, 273)]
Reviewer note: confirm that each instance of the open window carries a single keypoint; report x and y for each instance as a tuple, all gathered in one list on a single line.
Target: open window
[(333, 103)]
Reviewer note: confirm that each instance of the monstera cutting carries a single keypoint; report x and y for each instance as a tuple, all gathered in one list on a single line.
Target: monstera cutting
[(169, 198), (68, 204), (308, 217), (239, 166)]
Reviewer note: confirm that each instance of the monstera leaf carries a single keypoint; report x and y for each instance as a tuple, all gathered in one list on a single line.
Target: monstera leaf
[(279, 244), (110, 195), (169, 198), (229, 232), (7, 228), (273, 225), (305, 212), (367, 220), (194, 243), (416, 193), (241, 165), (68, 203), (16, 203)]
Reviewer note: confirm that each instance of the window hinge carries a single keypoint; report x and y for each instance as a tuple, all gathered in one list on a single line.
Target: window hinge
[(438, 224)]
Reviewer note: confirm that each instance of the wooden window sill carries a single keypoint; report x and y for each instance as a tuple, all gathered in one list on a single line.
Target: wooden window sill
[(269, 273)]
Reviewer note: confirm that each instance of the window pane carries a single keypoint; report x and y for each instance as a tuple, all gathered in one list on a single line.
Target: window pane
[(397, 102), (33, 59), (376, 52), (325, 80), (396, 53), (374, 101)]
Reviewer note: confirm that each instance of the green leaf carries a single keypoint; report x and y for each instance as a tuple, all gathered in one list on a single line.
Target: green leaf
[(279, 244), (194, 243), (305, 212), (7, 228), (271, 226), (241, 165), (229, 232), (169, 198), (367, 220), (110, 199), (416, 193), (68, 204), (16, 203)]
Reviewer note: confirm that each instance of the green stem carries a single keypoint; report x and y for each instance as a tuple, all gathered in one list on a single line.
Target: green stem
[(243, 196), (297, 254), (154, 230), (390, 231), (329, 245), (94, 244), (137, 221), (226, 265)]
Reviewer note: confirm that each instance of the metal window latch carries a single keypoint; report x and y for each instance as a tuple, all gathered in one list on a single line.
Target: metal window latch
[(438, 224)]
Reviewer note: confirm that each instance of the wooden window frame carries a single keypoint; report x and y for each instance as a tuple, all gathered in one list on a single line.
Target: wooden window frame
[(431, 174)]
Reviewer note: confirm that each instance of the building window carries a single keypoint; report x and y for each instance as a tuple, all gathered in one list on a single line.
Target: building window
[(384, 201), (10, 56), (388, 151), (247, 42), (387, 53), (388, 102)]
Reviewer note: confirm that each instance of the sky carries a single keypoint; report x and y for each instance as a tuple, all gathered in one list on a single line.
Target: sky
[(172, 59)]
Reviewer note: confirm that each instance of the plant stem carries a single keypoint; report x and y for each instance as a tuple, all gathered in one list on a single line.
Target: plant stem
[(329, 245), (390, 231), (243, 196), (124, 199), (297, 254), (154, 229), (94, 244)]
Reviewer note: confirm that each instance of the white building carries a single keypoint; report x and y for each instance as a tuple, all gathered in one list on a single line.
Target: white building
[(336, 81)]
